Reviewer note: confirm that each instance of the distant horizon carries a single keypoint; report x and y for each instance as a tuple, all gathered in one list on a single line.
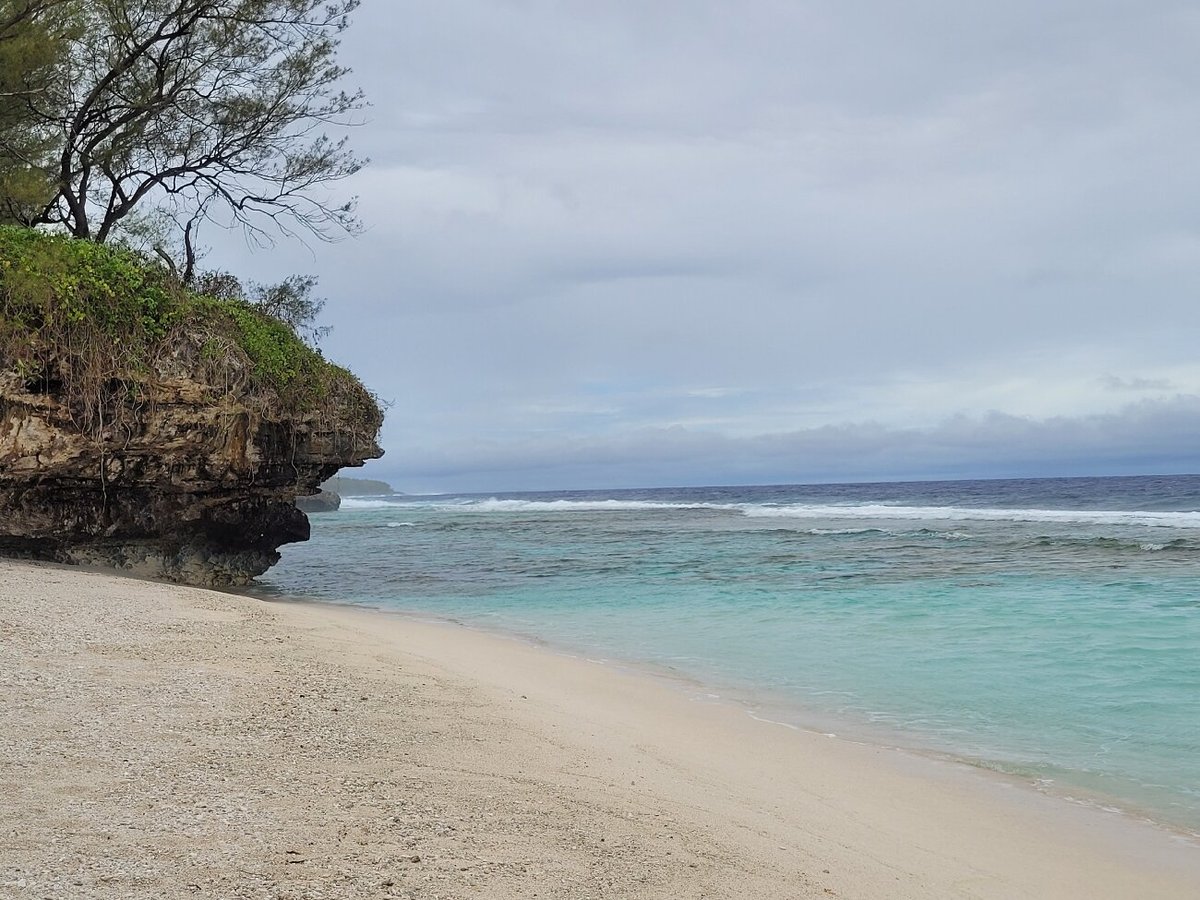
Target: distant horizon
[(716, 485)]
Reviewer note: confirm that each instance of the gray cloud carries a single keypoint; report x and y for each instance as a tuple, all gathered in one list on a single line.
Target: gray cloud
[(656, 227), (1148, 437), (1115, 383)]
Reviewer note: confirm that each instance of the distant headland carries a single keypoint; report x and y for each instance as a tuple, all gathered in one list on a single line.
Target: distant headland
[(357, 487)]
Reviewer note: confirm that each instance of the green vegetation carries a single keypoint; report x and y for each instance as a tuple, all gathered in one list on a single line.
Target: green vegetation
[(131, 123), (99, 326), (33, 38), (51, 282), (120, 118)]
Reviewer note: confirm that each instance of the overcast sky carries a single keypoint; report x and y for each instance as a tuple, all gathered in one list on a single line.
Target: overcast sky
[(691, 242)]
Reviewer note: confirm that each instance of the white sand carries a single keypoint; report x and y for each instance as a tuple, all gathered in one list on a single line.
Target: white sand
[(158, 741)]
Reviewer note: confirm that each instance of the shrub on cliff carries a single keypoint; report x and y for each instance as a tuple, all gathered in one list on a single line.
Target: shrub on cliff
[(98, 327)]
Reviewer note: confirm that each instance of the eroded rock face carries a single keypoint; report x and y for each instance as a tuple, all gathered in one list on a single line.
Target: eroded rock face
[(192, 486)]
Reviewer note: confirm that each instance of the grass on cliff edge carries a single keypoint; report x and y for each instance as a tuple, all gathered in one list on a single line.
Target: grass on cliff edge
[(85, 320)]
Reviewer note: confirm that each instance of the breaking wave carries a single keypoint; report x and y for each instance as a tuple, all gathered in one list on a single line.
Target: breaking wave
[(802, 511)]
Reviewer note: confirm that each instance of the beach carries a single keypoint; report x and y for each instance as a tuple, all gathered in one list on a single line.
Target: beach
[(158, 740)]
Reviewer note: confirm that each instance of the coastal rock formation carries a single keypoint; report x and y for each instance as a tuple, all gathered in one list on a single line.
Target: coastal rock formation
[(186, 488), (153, 428), (192, 487), (321, 501)]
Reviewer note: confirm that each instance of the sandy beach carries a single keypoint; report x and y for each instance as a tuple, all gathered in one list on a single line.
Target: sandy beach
[(160, 741)]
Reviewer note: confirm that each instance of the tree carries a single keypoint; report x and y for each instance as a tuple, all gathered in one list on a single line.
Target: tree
[(31, 42), (197, 109), (291, 301)]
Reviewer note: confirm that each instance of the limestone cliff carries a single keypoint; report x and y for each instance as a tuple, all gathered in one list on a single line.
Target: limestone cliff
[(181, 460)]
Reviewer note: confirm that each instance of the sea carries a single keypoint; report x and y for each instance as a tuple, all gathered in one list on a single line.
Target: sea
[(1048, 629)]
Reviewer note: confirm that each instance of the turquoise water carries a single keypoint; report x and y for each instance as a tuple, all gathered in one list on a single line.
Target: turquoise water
[(1049, 629)]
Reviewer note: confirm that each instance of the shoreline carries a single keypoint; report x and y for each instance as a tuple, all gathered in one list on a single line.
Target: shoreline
[(776, 709), (159, 738)]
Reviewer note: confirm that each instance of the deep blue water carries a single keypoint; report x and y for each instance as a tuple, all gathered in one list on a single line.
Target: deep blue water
[(1048, 628)]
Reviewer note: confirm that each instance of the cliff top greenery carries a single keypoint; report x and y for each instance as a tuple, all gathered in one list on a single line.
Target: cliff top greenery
[(135, 122), (100, 326)]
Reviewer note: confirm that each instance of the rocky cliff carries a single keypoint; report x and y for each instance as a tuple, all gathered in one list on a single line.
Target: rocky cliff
[(180, 458)]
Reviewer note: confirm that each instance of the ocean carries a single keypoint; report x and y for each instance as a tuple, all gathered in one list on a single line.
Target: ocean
[(1044, 628)]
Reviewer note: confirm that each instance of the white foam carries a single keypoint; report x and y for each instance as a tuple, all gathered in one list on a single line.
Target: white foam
[(836, 532), (366, 503), (803, 511), (497, 505), (821, 532), (966, 514)]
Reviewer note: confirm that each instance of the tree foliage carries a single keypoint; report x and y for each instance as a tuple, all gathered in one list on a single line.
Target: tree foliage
[(195, 109), (290, 301), (32, 34)]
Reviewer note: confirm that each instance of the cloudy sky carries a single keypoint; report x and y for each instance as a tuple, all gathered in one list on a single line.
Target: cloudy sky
[(639, 243)]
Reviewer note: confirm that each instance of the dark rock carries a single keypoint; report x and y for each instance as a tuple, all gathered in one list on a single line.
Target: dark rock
[(195, 485), (321, 501)]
